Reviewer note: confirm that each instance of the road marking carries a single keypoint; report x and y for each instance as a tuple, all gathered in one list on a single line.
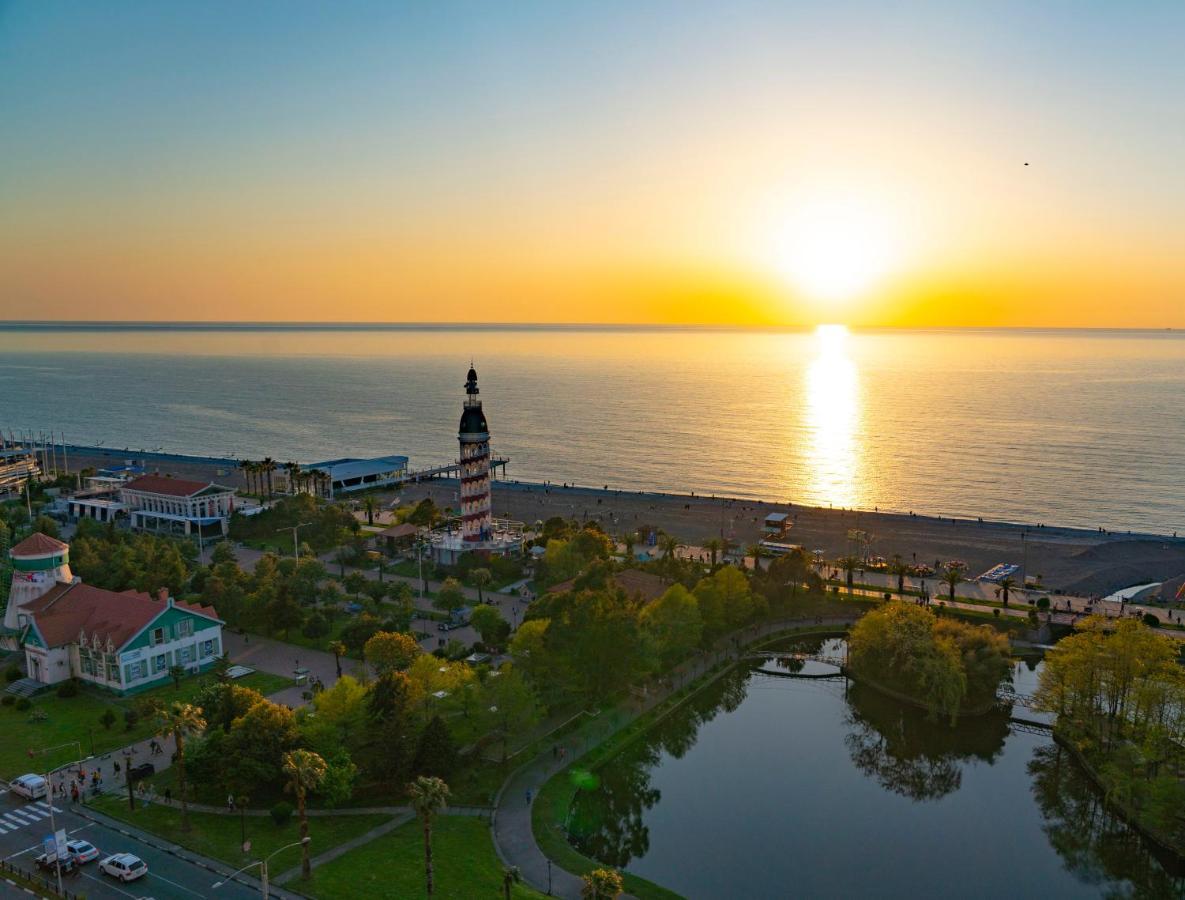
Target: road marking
[(107, 882), (175, 884)]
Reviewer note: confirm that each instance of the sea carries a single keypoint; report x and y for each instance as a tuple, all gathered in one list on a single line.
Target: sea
[(1082, 428)]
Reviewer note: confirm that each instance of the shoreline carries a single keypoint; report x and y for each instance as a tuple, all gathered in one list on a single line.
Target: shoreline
[(1074, 560), (577, 490)]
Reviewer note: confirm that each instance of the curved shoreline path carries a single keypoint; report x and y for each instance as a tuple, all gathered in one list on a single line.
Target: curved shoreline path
[(514, 836)]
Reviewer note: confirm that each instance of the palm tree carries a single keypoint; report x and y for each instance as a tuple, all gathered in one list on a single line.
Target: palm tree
[(602, 884), (1006, 584), (247, 466), (900, 568), (305, 770), (293, 471), (669, 544), (181, 720), (481, 578), (267, 467), (371, 505), (714, 546), (849, 564), (951, 576), (510, 877), (757, 552), (428, 796), (338, 649), (629, 539)]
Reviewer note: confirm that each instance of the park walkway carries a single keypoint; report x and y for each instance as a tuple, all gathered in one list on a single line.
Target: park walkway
[(514, 837)]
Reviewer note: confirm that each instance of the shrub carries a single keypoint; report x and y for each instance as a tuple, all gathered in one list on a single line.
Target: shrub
[(8, 699), (281, 813), (130, 718), (996, 612), (12, 673), (1043, 603), (68, 689), (24, 703), (107, 719)]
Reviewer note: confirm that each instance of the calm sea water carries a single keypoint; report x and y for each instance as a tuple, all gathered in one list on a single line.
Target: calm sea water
[(1060, 427), (764, 786)]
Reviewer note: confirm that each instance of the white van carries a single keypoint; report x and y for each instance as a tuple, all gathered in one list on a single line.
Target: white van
[(31, 787)]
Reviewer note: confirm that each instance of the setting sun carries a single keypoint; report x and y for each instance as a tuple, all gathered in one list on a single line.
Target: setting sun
[(832, 250)]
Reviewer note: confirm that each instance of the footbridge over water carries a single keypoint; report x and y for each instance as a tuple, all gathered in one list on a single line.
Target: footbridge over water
[(1008, 695)]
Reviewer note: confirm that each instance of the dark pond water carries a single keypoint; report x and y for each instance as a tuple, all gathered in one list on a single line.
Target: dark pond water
[(767, 786)]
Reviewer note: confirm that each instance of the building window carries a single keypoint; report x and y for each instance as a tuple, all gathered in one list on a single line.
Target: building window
[(185, 628), (158, 663), (158, 636), (182, 656)]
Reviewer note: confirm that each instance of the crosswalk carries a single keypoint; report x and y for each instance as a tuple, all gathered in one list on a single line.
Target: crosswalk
[(22, 816)]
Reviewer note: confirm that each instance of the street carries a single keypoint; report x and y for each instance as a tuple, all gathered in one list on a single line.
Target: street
[(25, 824)]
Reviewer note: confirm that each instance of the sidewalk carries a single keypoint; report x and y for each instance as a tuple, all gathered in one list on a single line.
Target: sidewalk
[(153, 840), (514, 837), (272, 655), (105, 764)]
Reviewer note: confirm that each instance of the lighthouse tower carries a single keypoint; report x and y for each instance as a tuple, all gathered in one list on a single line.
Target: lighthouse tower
[(38, 563), (474, 436)]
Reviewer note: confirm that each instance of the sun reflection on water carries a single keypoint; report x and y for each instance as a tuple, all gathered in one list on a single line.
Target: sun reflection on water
[(833, 411)]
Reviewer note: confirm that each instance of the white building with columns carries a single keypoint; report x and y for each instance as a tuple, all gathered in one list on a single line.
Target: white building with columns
[(178, 506)]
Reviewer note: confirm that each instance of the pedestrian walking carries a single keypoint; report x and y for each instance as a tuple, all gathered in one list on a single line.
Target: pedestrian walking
[(168, 795), (230, 802)]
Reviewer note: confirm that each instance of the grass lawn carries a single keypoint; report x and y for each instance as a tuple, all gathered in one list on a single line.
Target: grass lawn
[(319, 643), (466, 866), (219, 836), (77, 719)]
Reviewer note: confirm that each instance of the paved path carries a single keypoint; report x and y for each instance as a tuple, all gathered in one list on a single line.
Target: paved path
[(514, 837), (272, 655), (1064, 609)]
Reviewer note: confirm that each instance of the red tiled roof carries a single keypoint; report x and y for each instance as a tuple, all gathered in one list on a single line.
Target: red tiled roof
[(161, 484), (68, 609), (37, 544)]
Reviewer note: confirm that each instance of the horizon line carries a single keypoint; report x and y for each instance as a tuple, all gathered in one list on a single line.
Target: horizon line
[(300, 325)]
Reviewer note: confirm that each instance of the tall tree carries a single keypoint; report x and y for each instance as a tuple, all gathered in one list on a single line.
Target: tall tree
[(481, 580), (304, 771), (181, 720), (428, 795), (338, 649)]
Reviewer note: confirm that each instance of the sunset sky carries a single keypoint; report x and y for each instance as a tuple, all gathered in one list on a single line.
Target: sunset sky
[(741, 163)]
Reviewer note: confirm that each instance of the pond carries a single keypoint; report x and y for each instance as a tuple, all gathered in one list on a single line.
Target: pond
[(769, 786)]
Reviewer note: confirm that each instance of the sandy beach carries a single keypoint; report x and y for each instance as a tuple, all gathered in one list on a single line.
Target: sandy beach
[(1077, 561)]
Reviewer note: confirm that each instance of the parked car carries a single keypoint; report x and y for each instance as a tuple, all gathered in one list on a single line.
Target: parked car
[(135, 773), (31, 787), (82, 851), (123, 866), (49, 863)]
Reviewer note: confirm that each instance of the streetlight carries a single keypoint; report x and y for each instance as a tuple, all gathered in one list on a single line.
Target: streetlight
[(294, 529), (262, 863)]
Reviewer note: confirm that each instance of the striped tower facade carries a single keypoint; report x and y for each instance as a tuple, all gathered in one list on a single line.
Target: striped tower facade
[(474, 436)]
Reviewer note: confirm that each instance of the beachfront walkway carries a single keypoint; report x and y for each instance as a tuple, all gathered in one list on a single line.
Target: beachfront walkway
[(514, 836), (980, 595)]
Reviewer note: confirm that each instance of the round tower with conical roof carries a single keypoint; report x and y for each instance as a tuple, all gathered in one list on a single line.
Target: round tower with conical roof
[(474, 435), (38, 563)]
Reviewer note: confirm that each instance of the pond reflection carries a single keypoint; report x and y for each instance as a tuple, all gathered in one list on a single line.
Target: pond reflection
[(762, 777)]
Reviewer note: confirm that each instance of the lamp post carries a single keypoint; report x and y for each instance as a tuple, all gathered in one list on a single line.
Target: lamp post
[(262, 863), (295, 529)]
